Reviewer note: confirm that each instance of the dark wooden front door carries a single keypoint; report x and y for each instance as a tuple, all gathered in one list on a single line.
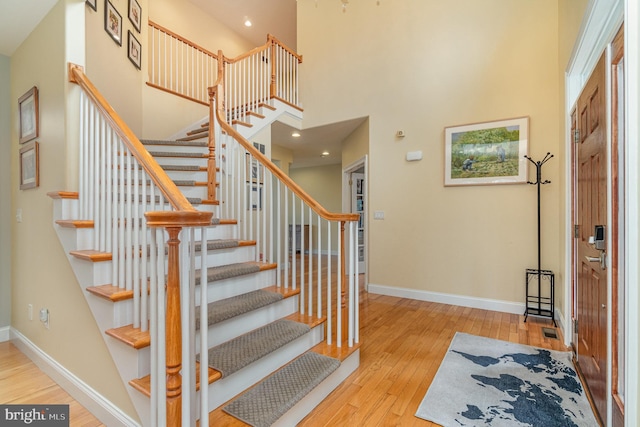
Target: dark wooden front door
[(591, 211)]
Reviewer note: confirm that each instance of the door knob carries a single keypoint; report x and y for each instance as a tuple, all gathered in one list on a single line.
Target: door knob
[(602, 259)]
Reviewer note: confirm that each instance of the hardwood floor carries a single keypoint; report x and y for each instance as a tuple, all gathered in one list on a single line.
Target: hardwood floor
[(403, 343), (21, 381)]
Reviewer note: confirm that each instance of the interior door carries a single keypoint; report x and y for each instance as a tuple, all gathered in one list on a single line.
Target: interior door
[(591, 218), (358, 206)]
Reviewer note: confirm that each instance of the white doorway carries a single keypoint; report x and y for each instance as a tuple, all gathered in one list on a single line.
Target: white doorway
[(355, 200)]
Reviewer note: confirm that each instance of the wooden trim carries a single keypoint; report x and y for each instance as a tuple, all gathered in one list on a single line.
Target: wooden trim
[(273, 39), (173, 331), (287, 102), (182, 39), (617, 47), (75, 223), (93, 256), (172, 92), (146, 160), (170, 219)]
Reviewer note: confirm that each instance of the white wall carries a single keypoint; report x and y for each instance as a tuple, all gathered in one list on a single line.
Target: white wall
[(5, 194), (422, 65)]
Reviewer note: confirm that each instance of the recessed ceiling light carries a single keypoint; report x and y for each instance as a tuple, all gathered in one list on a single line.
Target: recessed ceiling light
[(325, 153), (247, 22), (296, 134)]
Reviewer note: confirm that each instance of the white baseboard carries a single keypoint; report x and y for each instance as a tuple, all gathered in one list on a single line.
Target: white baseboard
[(461, 300), (5, 333), (94, 402)]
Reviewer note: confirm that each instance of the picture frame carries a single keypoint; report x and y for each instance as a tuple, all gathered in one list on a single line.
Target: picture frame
[(29, 166), (113, 22), (254, 170), (93, 4), (28, 108), (134, 51), (135, 14), (254, 197), (487, 153)]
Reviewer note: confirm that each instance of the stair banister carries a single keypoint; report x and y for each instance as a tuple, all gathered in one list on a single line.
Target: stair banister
[(183, 216), (346, 316)]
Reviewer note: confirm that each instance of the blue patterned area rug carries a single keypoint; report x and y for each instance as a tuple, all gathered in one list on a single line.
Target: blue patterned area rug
[(487, 382)]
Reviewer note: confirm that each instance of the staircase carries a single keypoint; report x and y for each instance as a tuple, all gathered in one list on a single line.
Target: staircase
[(269, 328)]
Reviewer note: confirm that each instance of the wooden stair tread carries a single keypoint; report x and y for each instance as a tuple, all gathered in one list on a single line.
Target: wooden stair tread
[(194, 137), (91, 255), (75, 223), (110, 292), (133, 337), (241, 123), (285, 292), (63, 194), (254, 114), (143, 385), (268, 106), (311, 321), (340, 353)]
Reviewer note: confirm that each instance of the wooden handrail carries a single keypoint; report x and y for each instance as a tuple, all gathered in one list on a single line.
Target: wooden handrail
[(271, 41), (146, 160), (182, 39), (217, 92)]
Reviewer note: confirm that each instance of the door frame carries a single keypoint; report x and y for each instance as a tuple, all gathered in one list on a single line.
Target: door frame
[(362, 162), (602, 20)]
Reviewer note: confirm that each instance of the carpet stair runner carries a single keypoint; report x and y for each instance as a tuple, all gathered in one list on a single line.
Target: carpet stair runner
[(264, 404)]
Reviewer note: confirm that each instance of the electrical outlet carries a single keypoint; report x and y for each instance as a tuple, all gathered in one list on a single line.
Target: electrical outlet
[(44, 317), (18, 215), (378, 215), (30, 311)]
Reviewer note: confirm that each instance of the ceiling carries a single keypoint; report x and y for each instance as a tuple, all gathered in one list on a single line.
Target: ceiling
[(17, 19), (277, 17)]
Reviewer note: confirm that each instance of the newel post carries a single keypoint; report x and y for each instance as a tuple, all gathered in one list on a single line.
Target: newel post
[(174, 222), (174, 331), (272, 86), (211, 159)]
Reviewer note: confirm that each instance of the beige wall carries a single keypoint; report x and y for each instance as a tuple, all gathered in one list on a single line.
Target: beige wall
[(419, 66), (40, 272), (324, 184), (5, 193), (356, 145), (165, 114)]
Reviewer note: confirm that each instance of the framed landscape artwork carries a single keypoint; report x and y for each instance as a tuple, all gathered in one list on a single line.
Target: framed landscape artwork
[(487, 153)]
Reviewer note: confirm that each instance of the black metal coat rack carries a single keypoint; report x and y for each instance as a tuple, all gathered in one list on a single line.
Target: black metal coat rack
[(535, 303)]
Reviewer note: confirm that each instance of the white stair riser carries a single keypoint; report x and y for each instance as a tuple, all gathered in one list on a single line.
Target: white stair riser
[(181, 161), (65, 209), (231, 328), (220, 257), (221, 289), (226, 388), (91, 273), (110, 314), (177, 149), (187, 175), (73, 239), (199, 192)]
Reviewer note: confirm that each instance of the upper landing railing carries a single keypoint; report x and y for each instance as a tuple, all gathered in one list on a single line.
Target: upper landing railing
[(181, 67)]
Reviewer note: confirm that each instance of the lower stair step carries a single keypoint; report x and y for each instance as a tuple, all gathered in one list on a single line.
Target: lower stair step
[(239, 352), (219, 311), (262, 405)]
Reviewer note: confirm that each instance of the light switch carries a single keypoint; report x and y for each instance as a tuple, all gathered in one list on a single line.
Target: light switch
[(378, 215), (19, 215)]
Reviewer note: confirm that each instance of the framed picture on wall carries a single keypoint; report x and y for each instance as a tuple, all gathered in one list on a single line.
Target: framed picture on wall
[(29, 166), (134, 51), (135, 14), (93, 4), (29, 120), (112, 22), (487, 153)]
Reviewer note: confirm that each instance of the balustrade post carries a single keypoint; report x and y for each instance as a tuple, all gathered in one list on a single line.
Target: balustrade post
[(343, 291), (272, 86), (174, 331)]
